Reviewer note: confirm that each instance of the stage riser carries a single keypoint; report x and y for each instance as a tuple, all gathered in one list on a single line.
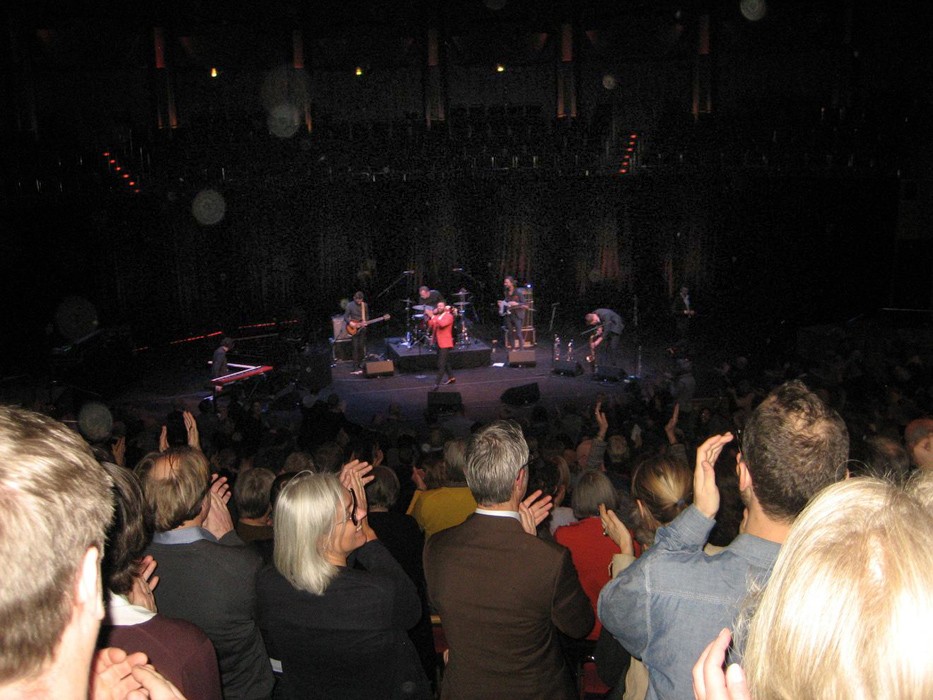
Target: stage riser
[(478, 354)]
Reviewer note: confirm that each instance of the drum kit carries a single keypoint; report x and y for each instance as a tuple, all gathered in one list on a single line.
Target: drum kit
[(419, 331)]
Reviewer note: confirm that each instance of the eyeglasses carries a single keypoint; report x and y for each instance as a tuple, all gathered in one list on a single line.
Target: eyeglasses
[(353, 505)]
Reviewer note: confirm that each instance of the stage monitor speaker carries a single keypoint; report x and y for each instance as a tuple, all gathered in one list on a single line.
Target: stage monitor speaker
[(568, 368), (381, 368), (444, 401), (609, 374), (522, 358), (523, 395)]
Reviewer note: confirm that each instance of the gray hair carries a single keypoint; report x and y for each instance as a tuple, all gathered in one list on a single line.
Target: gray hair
[(495, 456), (304, 523), (593, 489)]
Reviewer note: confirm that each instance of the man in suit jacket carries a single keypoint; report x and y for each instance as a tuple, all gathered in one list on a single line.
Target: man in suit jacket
[(207, 576), (503, 594)]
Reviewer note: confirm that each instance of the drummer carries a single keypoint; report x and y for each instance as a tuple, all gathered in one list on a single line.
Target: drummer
[(428, 299)]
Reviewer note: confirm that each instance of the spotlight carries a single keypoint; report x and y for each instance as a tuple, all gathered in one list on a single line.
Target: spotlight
[(214, 73), (753, 10), (500, 68), (358, 71)]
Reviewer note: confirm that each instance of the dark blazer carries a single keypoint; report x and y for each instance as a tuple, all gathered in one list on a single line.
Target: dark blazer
[(348, 643), (502, 595), (213, 585)]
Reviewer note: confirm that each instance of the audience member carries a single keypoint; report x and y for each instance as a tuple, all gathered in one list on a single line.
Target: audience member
[(179, 649), (918, 437), (207, 573), (451, 502), (502, 593), (339, 631), (55, 506), (667, 605), (252, 496), (847, 610)]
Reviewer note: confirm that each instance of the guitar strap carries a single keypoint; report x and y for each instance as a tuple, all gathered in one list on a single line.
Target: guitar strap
[(364, 307)]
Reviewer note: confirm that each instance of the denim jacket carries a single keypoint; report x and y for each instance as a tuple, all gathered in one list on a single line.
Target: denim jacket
[(673, 601)]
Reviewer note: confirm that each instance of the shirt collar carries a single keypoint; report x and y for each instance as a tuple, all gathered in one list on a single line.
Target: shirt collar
[(499, 513), (122, 613), (184, 535)]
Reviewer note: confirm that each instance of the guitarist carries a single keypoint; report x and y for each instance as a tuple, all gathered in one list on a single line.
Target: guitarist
[(356, 316), (512, 309), (606, 337)]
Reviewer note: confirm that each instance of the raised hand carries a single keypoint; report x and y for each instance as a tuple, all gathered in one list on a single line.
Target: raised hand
[(191, 425), (144, 583), (705, 491), (353, 468), (616, 530), (533, 510), (709, 680)]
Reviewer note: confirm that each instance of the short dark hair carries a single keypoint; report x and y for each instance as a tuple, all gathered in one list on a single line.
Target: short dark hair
[(794, 446), (252, 492), (129, 533), (358, 296)]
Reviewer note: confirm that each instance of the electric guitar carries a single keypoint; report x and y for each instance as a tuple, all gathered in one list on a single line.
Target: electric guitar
[(505, 306), (354, 327)]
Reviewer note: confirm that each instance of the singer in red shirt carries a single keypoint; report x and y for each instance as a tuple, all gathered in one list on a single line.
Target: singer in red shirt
[(442, 323)]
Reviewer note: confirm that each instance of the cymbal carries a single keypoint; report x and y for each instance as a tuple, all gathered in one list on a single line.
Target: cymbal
[(462, 303), (405, 301), (418, 316), (418, 307), (462, 293)]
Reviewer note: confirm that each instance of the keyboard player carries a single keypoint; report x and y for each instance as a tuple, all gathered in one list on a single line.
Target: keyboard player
[(219, 366)]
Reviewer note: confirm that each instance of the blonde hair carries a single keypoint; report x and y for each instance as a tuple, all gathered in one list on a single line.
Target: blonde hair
[(664, 486), (306, 512), (848, 610), (55, 504), (174, 483)]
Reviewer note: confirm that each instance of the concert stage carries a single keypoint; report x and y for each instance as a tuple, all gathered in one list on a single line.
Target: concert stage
[(413, 359)]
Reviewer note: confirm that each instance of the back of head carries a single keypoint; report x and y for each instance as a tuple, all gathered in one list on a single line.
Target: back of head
[(664, 486), (794, 445), (95, 422), (305, 518), (55, 504), (327, 457), (252, 492), (848, 610), (495, 456), (129, 533), (592, 489), (174, 484), (298, 462), (455, 459), (382, 491)]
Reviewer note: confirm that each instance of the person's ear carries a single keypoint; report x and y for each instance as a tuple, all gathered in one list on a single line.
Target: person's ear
[(741, 470), (88, 586)]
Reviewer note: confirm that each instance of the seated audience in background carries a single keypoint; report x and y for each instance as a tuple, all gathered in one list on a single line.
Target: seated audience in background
[(918, 437), (206, 573), (252, 496), (55, 507), (502, 593), (880, 456), (589, 547), (403, 538), (179, 649), (666, 606), (848, 610), (339, 631), (450, 502)]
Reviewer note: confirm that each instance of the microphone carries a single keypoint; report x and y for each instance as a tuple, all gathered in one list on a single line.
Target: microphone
[(408, 272), (457, 269)]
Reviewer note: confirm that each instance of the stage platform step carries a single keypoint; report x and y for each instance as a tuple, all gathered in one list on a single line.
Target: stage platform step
[(418, 358)]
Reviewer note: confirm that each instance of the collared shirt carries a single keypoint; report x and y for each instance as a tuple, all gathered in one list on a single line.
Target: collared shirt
[(669, 604), (184, 535), (121, 612), (499, 513)]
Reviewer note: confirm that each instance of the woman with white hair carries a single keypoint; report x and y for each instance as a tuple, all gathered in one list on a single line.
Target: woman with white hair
[(339, 631), (848, 610)]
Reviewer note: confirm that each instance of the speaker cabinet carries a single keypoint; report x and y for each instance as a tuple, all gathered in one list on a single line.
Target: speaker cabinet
[(381, 368), (523, 395), (522, 358), (567, 368), (609, 374)]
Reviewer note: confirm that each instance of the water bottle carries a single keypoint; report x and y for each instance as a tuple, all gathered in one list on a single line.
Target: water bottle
[(556, 348), (570, 350)]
